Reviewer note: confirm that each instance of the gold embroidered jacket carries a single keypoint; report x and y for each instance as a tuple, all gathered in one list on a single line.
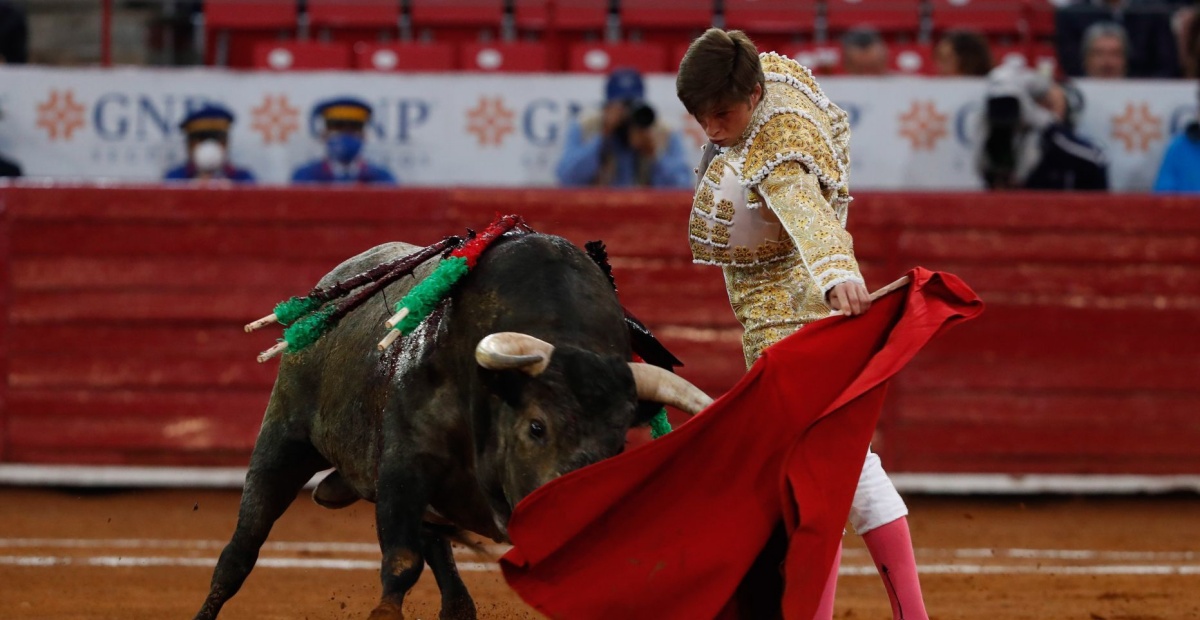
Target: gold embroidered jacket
[(771, 209)]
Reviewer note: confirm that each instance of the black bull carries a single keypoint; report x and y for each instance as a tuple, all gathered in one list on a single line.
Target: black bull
[(522, 377)]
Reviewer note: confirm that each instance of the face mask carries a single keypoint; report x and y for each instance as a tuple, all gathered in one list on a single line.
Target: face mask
[(208, 156), (343, 147)]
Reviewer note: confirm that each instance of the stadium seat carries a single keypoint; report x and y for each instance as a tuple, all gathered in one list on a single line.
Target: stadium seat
[(772, 24), (354, 19), (1040, 17), (560, 23), (535, 16), (988, 17), (301, 55), (665, 21), (456, 20), (1040, 56), (912, 59), (892, 17), (234, 27), (430, 56), (604, 57), (504, 57), (820, 59)]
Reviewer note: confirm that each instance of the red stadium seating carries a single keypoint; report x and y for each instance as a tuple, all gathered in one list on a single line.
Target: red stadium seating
[(354, 20), (353, 13), (666, 21), (567, 15), (405, 56), (504, 57), (234, 27), (249, 14), (456, 20), (772, 24), (889, 16), (989, 17), (301, 55), (604, 57), (1040, 16)]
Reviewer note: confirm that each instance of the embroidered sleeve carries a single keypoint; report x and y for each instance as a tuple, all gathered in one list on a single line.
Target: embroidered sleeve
[(794, 194)]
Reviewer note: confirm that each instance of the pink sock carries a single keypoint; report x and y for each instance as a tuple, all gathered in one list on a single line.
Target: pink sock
[(825, 609), (891, 549)]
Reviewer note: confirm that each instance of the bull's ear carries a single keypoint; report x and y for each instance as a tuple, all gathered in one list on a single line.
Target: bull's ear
[(507, 384)]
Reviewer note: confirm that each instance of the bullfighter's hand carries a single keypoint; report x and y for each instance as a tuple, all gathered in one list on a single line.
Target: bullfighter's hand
[(849, 298)]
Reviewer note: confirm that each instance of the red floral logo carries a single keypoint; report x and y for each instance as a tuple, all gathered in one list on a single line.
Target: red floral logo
[(60, 115), (1137, 127), (275, 119), (490, 121), (923, 125)]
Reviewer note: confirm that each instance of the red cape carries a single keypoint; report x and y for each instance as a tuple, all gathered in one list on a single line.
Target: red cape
[(698, 523)]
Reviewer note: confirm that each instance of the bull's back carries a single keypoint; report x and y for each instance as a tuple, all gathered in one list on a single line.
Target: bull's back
[(334, 392)]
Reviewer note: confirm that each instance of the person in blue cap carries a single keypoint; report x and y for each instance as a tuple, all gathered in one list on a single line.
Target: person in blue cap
[(1180, 168), (207, 134), (343, 122), (624, 145)]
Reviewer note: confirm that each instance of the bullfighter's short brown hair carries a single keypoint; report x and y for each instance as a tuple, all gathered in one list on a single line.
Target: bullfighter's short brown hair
[(720, 68)]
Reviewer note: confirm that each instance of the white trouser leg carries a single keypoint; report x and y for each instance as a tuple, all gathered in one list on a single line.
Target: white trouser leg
[(876, 501)]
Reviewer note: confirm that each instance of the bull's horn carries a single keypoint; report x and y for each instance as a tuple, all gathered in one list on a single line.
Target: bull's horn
[(663, 386), (514, 351)]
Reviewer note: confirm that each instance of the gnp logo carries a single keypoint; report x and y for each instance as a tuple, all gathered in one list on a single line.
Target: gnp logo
[(131, 129)]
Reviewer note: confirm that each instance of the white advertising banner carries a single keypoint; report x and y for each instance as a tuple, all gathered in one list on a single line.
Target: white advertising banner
[(508, 130)]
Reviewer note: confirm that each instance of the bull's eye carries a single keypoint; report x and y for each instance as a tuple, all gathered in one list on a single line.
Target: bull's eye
[(537, 429)]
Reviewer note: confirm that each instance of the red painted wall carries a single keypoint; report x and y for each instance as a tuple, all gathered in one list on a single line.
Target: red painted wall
[(123, 340)]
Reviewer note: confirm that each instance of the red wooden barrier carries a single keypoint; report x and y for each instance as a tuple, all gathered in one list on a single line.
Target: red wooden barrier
[(123, 344)]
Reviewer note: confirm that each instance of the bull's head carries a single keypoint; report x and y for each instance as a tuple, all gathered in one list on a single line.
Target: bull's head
[(564, 408)]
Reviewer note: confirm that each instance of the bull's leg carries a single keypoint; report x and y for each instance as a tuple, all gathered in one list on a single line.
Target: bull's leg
[(278, 470), (456, 601), (404, 490)]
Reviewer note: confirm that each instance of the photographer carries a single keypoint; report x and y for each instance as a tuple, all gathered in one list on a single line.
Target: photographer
[(623, 145), (1029, 139)]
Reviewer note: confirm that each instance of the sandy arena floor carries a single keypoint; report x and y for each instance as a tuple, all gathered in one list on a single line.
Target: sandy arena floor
[(142, 555)]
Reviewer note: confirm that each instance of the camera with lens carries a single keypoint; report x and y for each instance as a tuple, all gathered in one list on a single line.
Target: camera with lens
[(1012, 123), (638, 115)]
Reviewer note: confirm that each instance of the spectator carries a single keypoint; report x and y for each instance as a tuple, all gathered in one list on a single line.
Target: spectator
[(864, 52), (14, 34), (624, 145), (963, 53), (1180, 169), (1150, 45), (342, 123), (1105, 51), (207, 134), (1029, 136)]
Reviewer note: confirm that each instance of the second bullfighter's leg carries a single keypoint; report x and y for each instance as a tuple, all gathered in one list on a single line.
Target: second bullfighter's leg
[(278, 470), (404, 490), (456, 601)]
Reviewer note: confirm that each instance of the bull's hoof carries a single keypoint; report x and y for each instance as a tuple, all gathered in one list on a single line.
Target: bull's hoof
[(461, 609), (387, 610), (334, 492)]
